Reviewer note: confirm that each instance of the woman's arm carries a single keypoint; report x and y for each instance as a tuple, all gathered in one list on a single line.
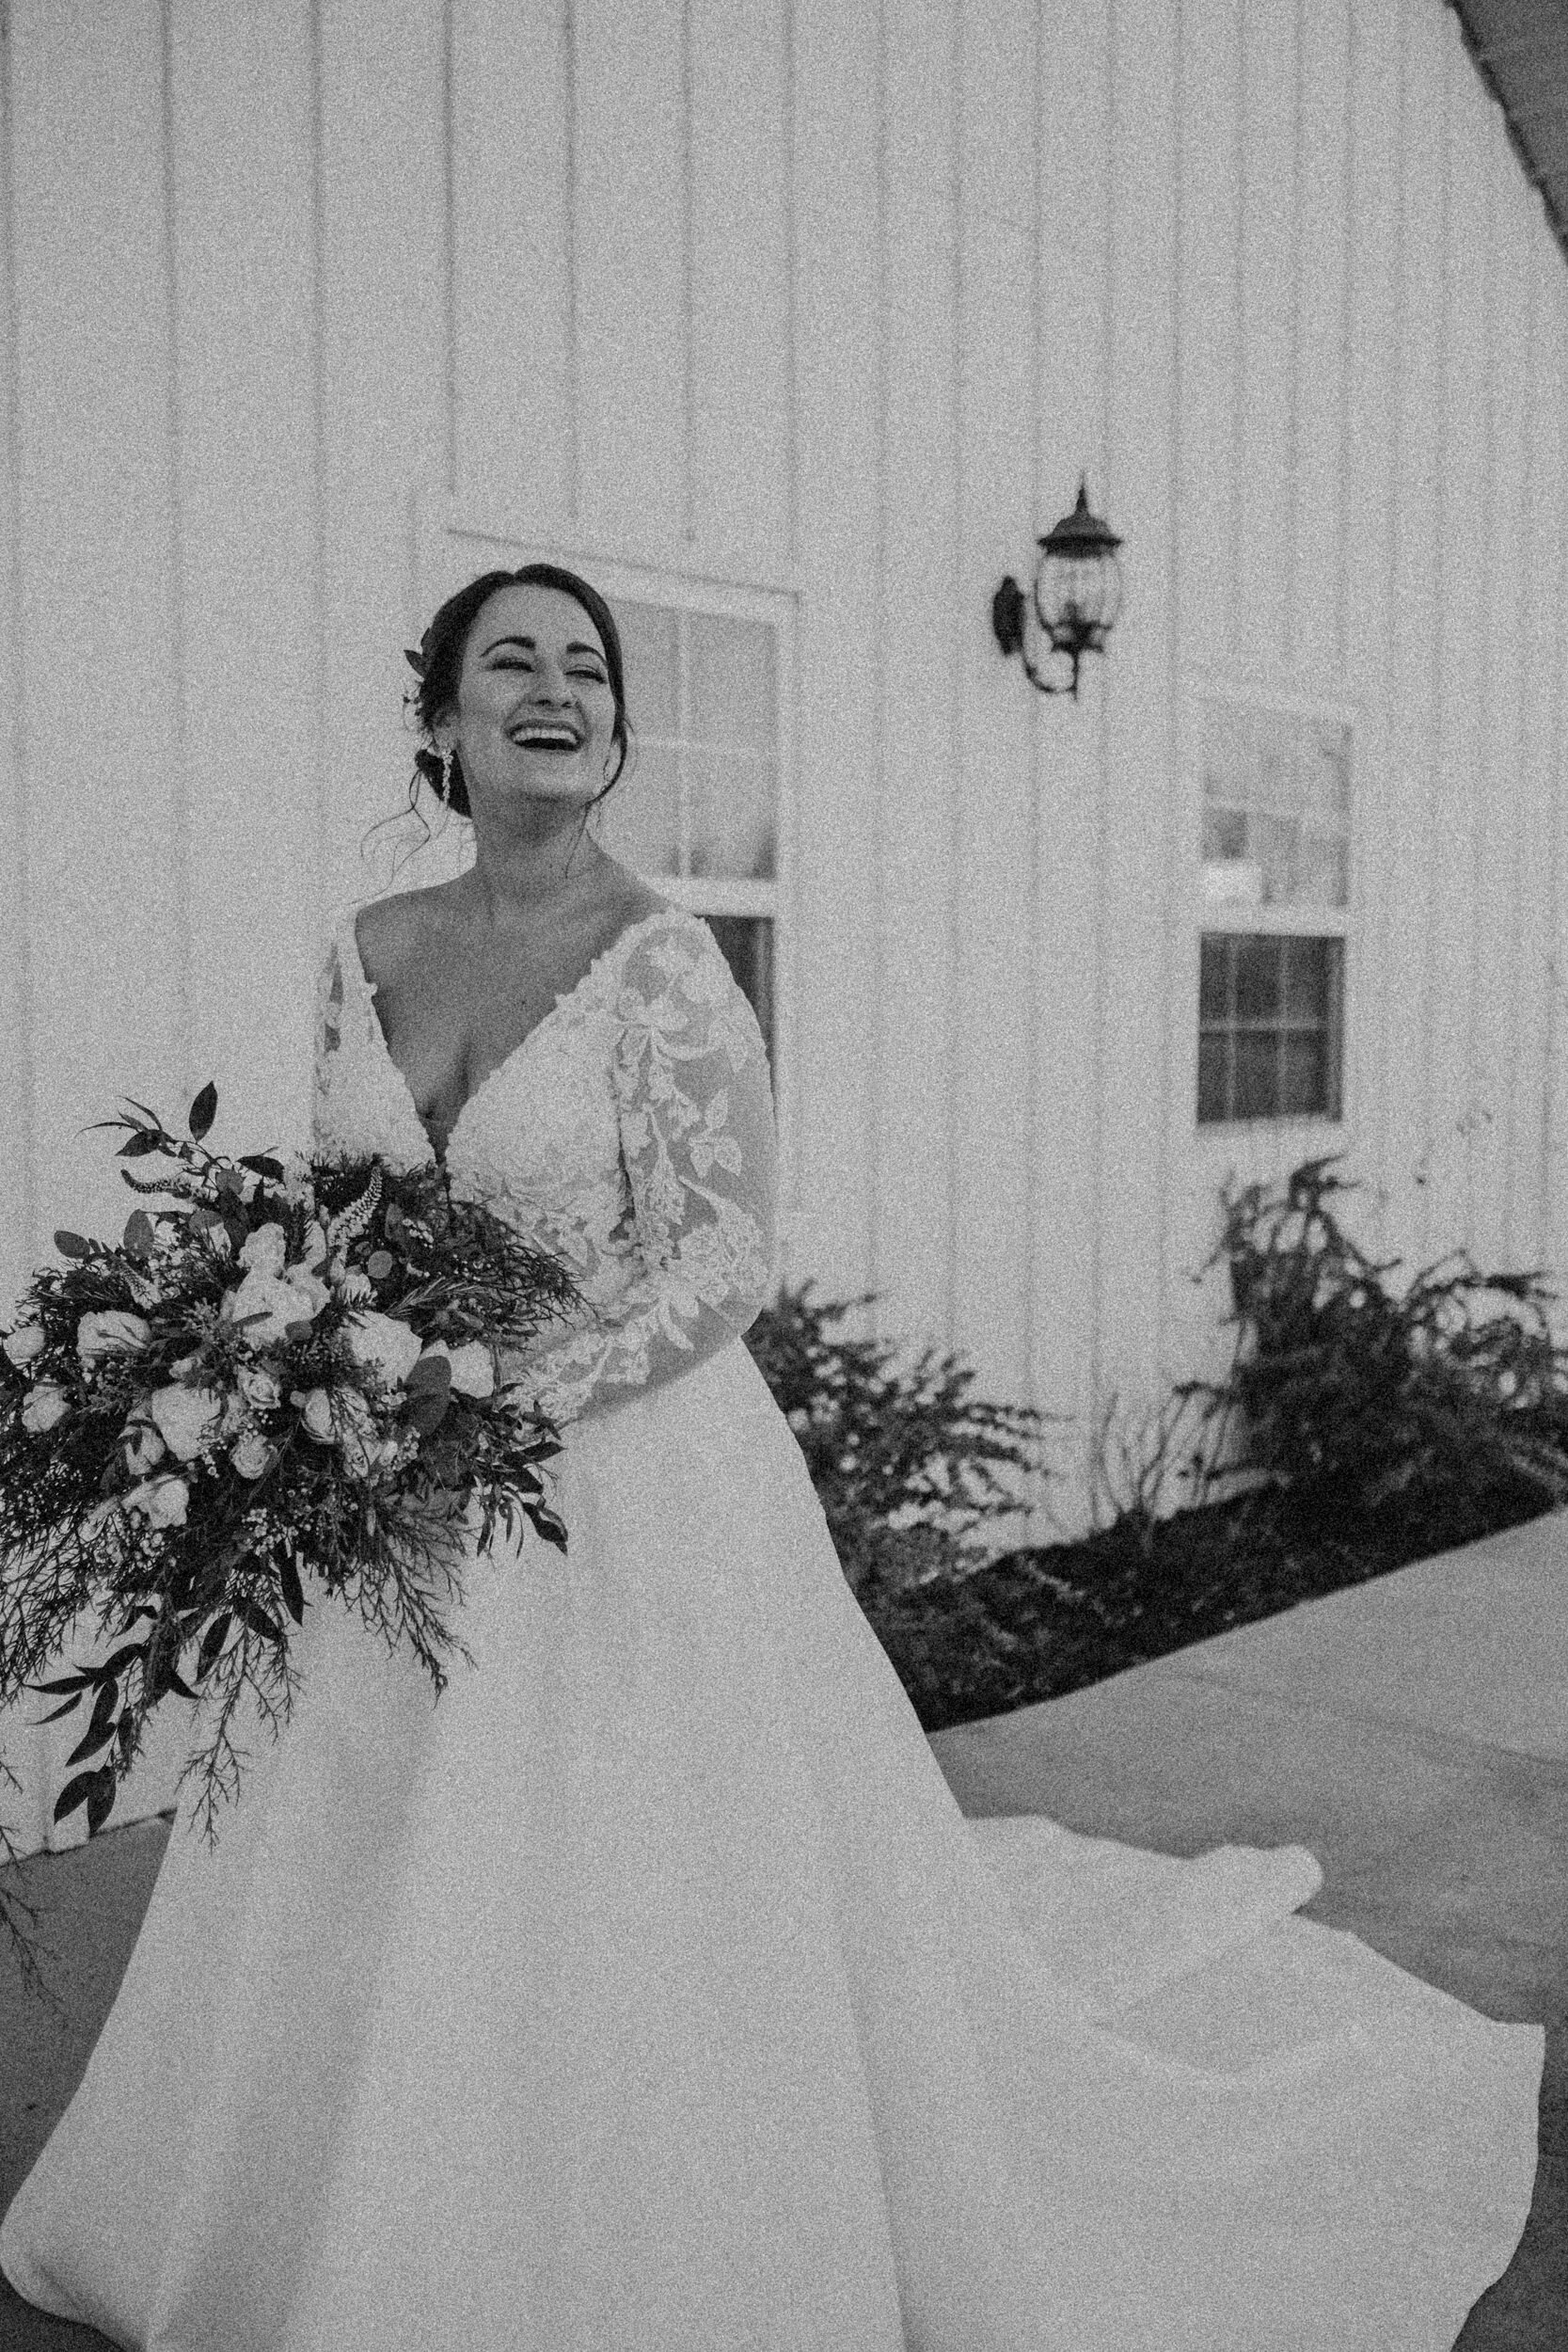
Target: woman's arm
[(697, 1138)]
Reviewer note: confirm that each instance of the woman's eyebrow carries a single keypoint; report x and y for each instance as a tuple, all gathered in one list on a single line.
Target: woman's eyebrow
[(532, 645)]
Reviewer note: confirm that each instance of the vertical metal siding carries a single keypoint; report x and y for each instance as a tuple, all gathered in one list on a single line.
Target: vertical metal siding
[(842, 302)]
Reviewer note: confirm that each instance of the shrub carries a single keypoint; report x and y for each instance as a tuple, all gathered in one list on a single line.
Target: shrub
[(1453, 1385), (907, 1464)]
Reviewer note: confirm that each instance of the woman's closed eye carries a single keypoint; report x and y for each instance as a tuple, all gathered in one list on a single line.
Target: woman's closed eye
[(514, 661)]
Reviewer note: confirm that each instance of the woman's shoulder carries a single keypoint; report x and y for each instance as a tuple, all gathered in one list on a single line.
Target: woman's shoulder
[(384, 931)]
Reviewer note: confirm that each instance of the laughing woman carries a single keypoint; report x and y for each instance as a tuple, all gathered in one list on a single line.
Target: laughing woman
[(650, 1991)]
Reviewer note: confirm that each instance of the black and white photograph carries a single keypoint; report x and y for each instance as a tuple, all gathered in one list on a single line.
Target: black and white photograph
[(783, 1187)]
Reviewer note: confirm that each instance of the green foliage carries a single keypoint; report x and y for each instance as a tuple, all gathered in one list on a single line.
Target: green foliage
[(906, 1465), (1450, 1385)]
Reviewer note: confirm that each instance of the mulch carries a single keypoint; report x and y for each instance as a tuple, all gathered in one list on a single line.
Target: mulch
[(1037, 1624)]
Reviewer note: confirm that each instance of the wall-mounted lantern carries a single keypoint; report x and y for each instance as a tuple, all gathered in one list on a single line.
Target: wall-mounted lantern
[(1077, 593)]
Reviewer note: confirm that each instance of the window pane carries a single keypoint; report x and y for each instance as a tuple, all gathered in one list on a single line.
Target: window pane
[(1304, 1083), (1224, 834), (1320, 872), (732, 802), (1213, 980), (747, 943), (1257, 1074), (1305, 989), (1213, 1053), (639, 822), (1258, 972), (648, 647), (733, 697)]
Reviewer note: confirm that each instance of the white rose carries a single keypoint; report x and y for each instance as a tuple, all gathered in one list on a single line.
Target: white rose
[(298, 1297), (383, 1341), (315, 1411), (264, 1251), (252, 1454), (43, 1405), (161, 1501), (25, 1344), (261, 1389), (473, 1371), (143, 1445), (185, 1417), (110, 1332)]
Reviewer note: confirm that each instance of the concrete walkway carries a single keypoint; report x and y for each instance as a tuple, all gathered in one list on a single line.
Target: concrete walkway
[(1413, 1733)]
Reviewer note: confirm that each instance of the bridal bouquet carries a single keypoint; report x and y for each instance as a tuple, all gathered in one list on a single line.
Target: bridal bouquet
[(297, 1374)]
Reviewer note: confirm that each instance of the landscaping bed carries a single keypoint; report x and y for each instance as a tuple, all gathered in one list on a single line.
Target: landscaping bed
[(1034, 1624), (1365, 1421)]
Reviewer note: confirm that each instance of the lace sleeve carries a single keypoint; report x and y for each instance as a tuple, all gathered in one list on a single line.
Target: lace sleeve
[(695, 1111)]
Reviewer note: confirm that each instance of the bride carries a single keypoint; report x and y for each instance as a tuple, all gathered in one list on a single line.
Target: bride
[(649, 1992)]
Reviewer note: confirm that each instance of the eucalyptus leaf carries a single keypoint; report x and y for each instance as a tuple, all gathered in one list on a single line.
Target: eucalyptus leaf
[(100, 1798), (288, 1581), (203, 1110), (90, 1742), (75, 1792)]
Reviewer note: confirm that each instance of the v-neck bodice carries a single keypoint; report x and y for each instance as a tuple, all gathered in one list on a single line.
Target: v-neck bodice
[(629, 1133), (599, 970)]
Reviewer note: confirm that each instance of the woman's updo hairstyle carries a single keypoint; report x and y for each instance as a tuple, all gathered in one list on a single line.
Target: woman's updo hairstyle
[(438, 666)]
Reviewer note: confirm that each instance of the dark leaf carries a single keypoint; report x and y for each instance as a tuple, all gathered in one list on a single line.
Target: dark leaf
[(65, 1682), (211, 1642), (428, 1371), (204, 1110), (105, 1705), (75, 1792), (260, 1622), (264, 1165), (137, 1147), (100, 1798), (297, 1333), (288, 1581), (70, 1245), (428, 1409), (140, 1234), (124, 1656), (66, 1708), (550, 1527), (90, 1742), (169, 1679)]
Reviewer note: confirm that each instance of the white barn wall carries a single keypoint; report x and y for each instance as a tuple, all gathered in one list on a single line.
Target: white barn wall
[(840, 303)]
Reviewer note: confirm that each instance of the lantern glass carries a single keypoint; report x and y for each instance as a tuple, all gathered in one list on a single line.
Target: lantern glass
[(1077, 597)]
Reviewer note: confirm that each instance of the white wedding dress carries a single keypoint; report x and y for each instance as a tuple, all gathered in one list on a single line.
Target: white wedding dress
[(648, 1992)]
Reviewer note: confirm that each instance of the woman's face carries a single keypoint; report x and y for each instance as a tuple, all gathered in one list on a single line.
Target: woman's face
[(535, 713)]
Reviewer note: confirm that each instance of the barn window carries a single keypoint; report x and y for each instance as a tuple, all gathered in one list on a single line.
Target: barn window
[(698, 811), (1276, 868)]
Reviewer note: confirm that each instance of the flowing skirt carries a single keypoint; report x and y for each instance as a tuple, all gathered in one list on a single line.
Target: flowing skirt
[(648, 1992)]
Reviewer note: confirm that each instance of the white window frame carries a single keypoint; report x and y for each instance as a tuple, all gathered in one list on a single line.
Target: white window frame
[(454, 544), (1262, 1149)]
